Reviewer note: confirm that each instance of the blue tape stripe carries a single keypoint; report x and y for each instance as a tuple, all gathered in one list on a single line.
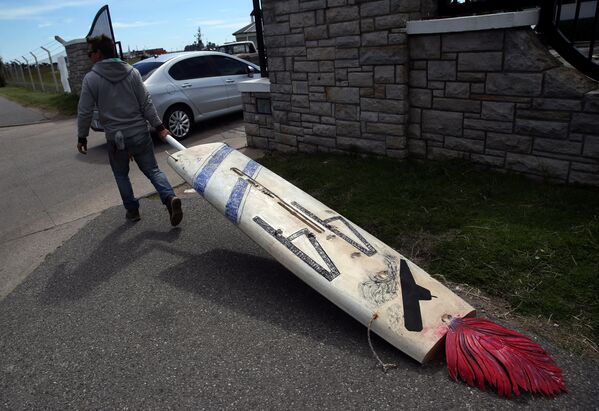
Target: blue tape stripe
[(251, 168), (238, 193), (201, 180)]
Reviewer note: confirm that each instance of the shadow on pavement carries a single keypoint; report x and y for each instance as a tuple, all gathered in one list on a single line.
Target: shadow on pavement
[(69, 284), (247, 284), (263, 289)]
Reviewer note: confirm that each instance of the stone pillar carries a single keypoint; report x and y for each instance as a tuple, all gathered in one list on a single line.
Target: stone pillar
[(339, 74), (78, 63)]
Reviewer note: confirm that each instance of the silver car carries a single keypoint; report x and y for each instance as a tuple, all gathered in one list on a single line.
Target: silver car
[(193, 86)]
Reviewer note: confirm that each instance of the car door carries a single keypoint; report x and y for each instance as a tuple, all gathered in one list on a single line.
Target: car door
[(199, 82), (232, 71)]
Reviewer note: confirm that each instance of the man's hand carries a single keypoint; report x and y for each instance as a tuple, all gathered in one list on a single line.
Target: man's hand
[(82, 147), (163, 133)]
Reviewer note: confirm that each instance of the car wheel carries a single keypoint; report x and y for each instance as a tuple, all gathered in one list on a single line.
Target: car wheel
[(179, 121)]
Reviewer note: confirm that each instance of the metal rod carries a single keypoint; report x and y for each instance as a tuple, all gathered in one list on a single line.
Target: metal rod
[(174, 143), (52, 68), (558, 14), (23, 80), (260, 38), (21, 71), (576, 16), (29, 70), (39, 74), (11, 69), (8, 71), (594, 31), (288, 207)]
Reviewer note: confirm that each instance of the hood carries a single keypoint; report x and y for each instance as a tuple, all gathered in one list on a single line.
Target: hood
[(113, 70)]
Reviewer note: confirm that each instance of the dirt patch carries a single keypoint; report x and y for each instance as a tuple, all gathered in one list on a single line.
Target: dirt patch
[(573, 336)]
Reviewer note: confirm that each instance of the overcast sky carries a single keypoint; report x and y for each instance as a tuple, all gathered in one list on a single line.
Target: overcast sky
[(25, 25)]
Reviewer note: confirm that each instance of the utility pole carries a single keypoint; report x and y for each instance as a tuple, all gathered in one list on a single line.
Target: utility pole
[(39, 75), (52, 68), (29, 70)]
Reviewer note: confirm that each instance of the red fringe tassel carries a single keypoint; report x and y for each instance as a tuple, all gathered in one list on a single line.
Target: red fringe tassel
[(480, 351)]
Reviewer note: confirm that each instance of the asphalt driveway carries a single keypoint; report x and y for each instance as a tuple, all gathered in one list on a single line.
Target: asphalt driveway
[(49, 190), (145, 316), (13, 114)]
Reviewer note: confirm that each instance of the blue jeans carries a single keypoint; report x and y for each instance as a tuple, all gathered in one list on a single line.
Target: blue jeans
[(142, 150)]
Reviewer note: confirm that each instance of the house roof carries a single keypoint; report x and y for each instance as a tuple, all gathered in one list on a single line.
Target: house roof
[(250, 28)]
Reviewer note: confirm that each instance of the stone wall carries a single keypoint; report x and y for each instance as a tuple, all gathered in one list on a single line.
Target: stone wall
[(339, 74), (498, 97), (78, 64), (258, 127)]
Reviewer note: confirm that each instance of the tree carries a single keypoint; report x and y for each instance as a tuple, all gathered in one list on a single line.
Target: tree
[(210, 46), (2, 68)]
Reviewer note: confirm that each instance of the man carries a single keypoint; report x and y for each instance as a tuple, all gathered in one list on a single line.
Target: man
[(124, 105)]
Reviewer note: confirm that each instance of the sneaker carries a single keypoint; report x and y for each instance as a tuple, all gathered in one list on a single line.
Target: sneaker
[(173, 206), (133, 215)]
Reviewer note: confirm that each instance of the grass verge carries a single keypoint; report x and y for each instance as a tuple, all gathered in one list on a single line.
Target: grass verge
[(531, 244), (59, 103)]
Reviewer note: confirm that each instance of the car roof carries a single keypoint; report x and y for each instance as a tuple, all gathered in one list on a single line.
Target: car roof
[(161, 58), (170, 56), (231, 43)]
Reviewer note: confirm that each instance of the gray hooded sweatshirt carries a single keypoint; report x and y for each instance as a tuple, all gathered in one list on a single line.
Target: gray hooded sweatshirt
[(122, 99)]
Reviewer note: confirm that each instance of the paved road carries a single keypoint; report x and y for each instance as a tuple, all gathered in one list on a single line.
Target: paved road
[(49, 191), (145, 316), (12, 114)]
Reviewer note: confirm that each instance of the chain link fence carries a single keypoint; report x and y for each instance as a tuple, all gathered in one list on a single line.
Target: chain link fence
[(42, 69)]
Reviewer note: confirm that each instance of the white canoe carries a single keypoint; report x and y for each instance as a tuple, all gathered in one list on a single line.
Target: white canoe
[(353, 269)]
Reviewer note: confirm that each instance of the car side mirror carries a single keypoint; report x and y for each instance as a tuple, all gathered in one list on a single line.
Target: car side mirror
[(251, 71)]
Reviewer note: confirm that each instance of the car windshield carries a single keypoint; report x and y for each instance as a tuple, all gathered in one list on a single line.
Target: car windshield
[(146, 68), (235, 48)]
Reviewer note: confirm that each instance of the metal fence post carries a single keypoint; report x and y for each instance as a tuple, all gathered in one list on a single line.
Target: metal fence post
[(39, 75), (260, 38), (21, 71), (10, 67), (29, 70), (7, 74), (22, 82), (15, 71), (12, 72), (52, 68)]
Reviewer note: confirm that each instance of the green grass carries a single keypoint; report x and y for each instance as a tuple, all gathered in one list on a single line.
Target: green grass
[(535, 245), (62, 103)]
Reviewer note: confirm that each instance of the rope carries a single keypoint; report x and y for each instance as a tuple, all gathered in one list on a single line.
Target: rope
[(384, 366)]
